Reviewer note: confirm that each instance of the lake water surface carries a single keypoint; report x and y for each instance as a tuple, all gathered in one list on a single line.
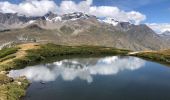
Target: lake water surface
[(107, 78)]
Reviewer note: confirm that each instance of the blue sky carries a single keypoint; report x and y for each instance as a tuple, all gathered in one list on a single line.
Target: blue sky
[(156, 11)]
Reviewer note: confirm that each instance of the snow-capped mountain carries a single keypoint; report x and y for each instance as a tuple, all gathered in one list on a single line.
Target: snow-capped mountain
[(13, 20), (79, 29), (10, 20)]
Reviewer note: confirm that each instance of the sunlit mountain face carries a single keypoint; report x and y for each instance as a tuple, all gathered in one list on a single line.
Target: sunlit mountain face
[(83, 69)]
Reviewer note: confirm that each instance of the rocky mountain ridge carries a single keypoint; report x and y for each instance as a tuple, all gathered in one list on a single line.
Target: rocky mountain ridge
[(79, 29)]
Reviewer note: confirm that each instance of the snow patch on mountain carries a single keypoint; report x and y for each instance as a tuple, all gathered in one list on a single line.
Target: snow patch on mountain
[(31, 21), (55, 19), (166, 33), (75, 16), (111, 21)]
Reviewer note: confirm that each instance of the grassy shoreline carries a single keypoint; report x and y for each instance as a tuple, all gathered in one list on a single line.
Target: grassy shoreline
[(47, 51), (162, 57)]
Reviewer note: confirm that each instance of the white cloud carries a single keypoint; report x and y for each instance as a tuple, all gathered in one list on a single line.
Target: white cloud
[(159, 28), (29, 8), (116, 13), (71, 6), (101, 11), (41, 7)]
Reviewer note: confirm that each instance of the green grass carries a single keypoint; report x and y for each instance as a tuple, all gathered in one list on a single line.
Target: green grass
[(158, 57), (51, 50), (8, 51)]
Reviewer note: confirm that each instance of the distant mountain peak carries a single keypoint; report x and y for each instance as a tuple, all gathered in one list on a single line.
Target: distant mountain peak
[(52, 17), (166, 33), (75, 16)]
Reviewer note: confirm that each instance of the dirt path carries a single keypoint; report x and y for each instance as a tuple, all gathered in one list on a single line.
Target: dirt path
[(132, 53)]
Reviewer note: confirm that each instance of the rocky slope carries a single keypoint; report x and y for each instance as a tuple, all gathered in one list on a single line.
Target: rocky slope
[(79, 29)]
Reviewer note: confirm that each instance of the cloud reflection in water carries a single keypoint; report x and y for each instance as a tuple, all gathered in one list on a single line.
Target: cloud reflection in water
[(83, 69)]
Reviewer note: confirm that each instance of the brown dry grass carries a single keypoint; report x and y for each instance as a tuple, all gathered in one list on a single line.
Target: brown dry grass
[(165, 52), (24, 47)]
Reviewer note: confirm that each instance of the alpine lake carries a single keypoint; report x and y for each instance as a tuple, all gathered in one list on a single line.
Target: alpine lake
[(97, 78)]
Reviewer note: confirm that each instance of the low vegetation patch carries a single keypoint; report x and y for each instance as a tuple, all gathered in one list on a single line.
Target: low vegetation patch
[(12, 89), (8, 51)]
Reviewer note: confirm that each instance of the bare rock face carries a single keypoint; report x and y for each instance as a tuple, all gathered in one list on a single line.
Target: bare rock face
[(79, 29)]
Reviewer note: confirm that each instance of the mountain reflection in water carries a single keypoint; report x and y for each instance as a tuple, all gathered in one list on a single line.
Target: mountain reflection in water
[(83, 68)]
